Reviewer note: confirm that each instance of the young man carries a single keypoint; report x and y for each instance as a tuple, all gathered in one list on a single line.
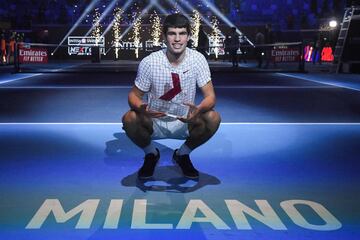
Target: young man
[(172, 75)]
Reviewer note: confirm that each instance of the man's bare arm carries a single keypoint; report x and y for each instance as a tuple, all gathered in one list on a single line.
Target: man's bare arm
[(207, 104), (135, 99), (136, 103), (209, 100)]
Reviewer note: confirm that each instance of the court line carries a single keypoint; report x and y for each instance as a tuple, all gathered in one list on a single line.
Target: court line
[(32, 75), (128, 87), (20, 78), (225, 123), (322, 82)]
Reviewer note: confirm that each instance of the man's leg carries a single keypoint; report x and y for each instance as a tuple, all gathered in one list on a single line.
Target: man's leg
[(203, 129), (139, 128)]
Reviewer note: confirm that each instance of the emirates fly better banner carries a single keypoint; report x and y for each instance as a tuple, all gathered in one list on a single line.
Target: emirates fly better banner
[(285, 54), (33, 55)]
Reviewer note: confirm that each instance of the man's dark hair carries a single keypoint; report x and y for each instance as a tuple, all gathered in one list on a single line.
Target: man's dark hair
[(176, 20)]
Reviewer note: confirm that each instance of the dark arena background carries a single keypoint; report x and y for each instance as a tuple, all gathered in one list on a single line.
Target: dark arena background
[(284, 163)]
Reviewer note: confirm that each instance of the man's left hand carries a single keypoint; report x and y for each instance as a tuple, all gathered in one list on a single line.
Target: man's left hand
[(194, 112)]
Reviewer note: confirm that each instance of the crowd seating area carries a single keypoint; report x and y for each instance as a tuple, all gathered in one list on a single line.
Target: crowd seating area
[(283, 14)]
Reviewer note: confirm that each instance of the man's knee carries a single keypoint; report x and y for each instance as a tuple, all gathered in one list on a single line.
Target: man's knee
[(129, 118), (132, 121), (208, 123), (212, 119)]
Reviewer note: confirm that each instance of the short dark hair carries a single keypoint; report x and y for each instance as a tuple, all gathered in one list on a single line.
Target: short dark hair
[(176, 20)]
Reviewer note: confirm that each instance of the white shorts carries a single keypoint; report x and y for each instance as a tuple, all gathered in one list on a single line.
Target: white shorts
[(175, 129)]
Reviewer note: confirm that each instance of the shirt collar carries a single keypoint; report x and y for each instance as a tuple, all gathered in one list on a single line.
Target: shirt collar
[(181, 66)]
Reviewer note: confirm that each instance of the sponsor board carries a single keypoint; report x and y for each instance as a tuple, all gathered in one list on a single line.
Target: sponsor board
[(216, 47), (33, 55), (285, 54), (81, 46)]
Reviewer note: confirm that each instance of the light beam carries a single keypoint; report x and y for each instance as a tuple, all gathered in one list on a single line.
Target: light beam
[(77, 23)]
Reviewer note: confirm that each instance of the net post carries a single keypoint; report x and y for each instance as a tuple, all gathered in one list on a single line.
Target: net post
[(16, 59), (301, 59)]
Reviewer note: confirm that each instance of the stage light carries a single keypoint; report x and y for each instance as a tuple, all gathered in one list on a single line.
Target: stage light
[(77, 23), (96, 26), (180, 9), (124, 8), (155, 29), (116, 30), (106, 11), (223, 18), (145, 10), (136, 37), (159, 7), (215, 35), (333, 24), (191, 8), (195, 26)]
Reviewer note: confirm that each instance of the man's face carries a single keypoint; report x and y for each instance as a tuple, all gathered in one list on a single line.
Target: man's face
[(176, 40)]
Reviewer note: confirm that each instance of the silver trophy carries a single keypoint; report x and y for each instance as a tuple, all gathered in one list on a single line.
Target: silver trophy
[(174, 109)]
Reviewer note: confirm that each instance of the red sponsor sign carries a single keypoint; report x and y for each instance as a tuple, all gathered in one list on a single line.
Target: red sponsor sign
[(33, 55), (327, 54), (285, 54)]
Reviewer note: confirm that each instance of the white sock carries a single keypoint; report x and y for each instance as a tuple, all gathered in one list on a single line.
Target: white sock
[(150, 149), (183, 150)]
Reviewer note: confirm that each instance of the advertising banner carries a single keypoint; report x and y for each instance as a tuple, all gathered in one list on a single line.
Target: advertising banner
[(285, 54), (33, 55), (81, 46)]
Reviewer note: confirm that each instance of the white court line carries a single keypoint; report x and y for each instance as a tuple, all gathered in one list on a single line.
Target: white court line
[(128, 87), (273, 87), (20, 78), (322, 82), (34, 75), (66, 87), (226, 123)]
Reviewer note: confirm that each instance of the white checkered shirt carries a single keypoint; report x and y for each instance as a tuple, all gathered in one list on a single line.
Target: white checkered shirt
[(154, 75)]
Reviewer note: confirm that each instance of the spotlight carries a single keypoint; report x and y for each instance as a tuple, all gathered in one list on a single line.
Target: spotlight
[(127, 4), (333, 23), (77, 23), (102, 16)]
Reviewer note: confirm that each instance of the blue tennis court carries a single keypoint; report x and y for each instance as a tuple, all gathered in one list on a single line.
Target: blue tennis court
[(283, 164)]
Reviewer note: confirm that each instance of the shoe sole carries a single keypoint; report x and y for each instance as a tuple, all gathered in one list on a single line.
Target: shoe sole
[(145, 178), (191, 177)]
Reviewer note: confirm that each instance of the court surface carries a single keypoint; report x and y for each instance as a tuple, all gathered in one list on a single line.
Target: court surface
[(283, 165)]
